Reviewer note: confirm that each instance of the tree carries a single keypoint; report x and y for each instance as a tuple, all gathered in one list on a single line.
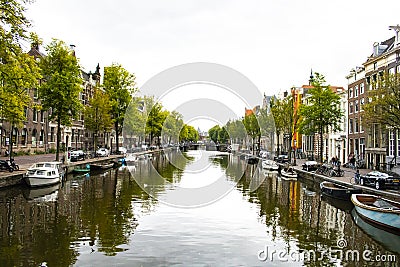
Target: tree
[(119, 84), (61, 87), (236, 130), (172, 127), (98, 114), (135, 118), (322, 111), (155, 121), (383, 106), (18, 71), (250, 122), (267, 125), (213, 133), (188, 133), (277, 110)]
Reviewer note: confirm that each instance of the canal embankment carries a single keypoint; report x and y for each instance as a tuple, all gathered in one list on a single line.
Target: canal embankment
[(344, 180), (8, 179)]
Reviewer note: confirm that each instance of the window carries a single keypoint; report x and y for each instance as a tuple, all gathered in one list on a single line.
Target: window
[(391, 70), (34, 115), (351, 108), (35, 93), (23, 137), (350, 125), (351, 93), (361, 127), (41, 116), (356, 126), (361, 88), (356, 106), (391, 143), (356, 91), (52, 134), (362, 104)]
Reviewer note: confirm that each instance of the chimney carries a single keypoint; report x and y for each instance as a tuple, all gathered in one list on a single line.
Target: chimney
[(397, 30), (72, 46)]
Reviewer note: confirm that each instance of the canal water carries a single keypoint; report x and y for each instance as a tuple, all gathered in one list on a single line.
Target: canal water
[(197, 209)]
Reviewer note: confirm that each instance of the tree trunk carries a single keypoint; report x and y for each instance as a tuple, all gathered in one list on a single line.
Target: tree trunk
[(10, 144), (116, 138), (321, 148), (58, 138)]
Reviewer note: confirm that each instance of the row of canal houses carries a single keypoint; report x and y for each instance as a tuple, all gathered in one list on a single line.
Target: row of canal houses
[(376, 146), (38, 133)]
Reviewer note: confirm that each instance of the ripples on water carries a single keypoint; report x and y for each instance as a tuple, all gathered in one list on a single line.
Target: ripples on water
[(109, 220)]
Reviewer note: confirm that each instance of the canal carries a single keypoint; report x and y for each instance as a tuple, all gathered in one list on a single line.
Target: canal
[(197, 209)]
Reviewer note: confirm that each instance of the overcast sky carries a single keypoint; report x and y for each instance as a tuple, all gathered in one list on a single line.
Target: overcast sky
[(273, 43)]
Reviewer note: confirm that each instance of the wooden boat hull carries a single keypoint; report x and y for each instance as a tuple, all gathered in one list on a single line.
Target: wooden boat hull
[(101, 166), (380, 211), (33, 181), (338, 191), (288, 175)]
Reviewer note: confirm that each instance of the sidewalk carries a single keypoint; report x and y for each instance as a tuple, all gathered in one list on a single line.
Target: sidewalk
[(348, 174)]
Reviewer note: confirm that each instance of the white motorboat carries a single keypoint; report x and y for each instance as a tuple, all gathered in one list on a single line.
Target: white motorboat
[(269, 165), (44, 173), (288, 173)]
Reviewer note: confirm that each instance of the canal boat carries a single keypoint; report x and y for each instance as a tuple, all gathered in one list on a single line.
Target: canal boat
[(44, 174), (338, 191), (390, 240), (268, 164), (288, 173), (378, 210), (251, 159), (101, 166), (82, 170)]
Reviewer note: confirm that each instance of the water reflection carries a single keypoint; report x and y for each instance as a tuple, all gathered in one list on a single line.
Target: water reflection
[(109, 219)]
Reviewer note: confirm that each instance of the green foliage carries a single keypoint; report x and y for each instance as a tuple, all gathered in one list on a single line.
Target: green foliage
[(213, 133), (18, 70), (60, 91), (135, 118), (219, 134), (172, 127), (98, 114), (236, 130), (119, 84), (155, 121), (384, 104), (251, 125), (188, 133), (322, 111)]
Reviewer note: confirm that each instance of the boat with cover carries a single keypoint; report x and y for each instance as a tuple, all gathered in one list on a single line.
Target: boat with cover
[(378, 210), (44, 174), (271, 165), (288, 173), (338, 191)]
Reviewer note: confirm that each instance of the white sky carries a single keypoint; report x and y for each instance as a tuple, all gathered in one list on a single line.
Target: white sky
[(273, 43)]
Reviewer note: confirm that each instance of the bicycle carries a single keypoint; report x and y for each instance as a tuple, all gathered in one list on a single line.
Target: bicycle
[(355, 179)]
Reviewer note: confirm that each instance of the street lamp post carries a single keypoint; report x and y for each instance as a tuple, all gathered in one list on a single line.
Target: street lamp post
[(295, 148)]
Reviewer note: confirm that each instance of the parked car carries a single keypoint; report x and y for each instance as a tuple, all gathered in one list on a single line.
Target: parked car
[(122, 150), (102, 152), (310, 165), (77, 155), (282, 159), (380, 180)]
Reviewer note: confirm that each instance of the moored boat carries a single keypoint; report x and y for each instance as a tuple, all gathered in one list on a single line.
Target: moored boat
[(44, 174), (338, 191), (269, 165), (101, 166), (82, 170), (288, 173), (378, 210)]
